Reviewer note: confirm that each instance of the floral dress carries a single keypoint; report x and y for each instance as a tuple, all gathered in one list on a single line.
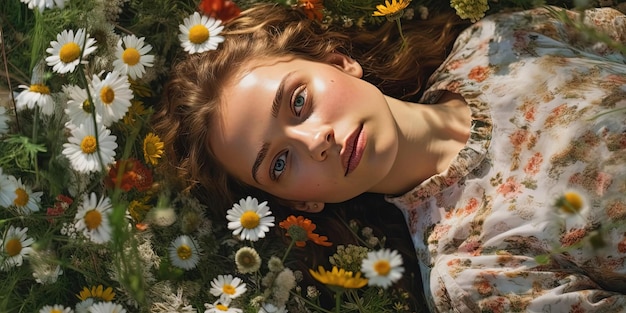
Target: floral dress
[(531, 215)]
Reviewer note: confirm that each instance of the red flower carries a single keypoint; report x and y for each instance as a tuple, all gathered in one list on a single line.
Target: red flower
[(312, 8), (225, 10), (134, 174), (60, 205), (307, 227)]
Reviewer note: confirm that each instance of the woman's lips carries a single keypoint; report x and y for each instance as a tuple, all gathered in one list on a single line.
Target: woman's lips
[(353, 150)]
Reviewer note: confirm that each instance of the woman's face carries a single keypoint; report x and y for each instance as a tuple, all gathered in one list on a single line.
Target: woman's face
[(305, 131)]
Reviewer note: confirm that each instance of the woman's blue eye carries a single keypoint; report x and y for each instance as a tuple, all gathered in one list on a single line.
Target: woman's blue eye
[(279, 166), (299, 101)]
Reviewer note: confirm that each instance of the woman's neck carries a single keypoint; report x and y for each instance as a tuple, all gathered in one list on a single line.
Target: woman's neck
[(429, 138)]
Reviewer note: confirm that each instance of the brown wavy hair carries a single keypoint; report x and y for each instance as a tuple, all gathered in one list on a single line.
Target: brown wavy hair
[(191, 97)]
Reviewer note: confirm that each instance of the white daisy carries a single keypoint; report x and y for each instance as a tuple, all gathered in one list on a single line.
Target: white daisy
[(132, 57), (227, 286), (16, 247), (84, 306), (35, 95), (220, 307), (26, 201), (79, 108), (92, 218), (112, 96), (200, 33), (57, 308), (66, 51), (250, 219), (270, 308), (44, 4), (82, 148), (382, 268), (184, 252), (7, 190), (106, 307), (4, 121)]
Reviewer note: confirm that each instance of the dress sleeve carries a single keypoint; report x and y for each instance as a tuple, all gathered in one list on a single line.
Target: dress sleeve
[(496, 240)]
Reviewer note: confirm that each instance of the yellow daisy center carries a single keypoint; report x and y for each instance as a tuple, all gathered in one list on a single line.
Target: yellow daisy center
[(151, 148), (198, 34), (250, 220), (93, 219), (228, 289), (87, 107), (55, 311), (382, 267), (22, 197), (572, 202), (69, 52), (39, 88), (131, 56), (89, 145), (184, 252), (221, 307), (13, 247), (107, 94)]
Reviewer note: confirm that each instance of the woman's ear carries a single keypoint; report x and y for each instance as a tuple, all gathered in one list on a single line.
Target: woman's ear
[(345, 63), (309, 206)]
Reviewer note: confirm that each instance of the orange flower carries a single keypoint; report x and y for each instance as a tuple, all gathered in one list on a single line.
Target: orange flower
[(306, 225), (224, 10), (135, 174), (312, 8)]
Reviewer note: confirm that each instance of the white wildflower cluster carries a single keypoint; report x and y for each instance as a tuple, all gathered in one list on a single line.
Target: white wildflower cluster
[(279, 281), (349, 257), (473, 10), (41, 5), (173, 302), (370, 238), (68, 229), (46, 269)]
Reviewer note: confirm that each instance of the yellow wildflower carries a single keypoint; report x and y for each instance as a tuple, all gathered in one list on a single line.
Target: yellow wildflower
[(339, 277), (97, 293), (571, 202), (392, 10), (152, 148)]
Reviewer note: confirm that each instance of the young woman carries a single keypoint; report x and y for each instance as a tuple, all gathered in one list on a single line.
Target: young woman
[(508, 133)]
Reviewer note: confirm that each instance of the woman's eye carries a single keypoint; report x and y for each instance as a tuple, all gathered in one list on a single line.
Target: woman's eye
[(299, 101), (279, 166)]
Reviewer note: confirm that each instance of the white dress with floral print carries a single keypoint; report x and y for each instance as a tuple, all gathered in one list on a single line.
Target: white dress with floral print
[(487, 231)]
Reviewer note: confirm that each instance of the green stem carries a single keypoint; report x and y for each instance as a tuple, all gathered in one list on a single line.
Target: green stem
[(34, 140), (288, 250), (401, 33), (338, 301)]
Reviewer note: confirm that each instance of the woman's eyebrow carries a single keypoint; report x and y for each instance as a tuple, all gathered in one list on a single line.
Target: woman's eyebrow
[(260, 156), (278, 97), (276, 104)]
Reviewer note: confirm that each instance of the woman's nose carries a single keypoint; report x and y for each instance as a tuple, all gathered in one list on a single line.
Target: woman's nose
[(317, 140)]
